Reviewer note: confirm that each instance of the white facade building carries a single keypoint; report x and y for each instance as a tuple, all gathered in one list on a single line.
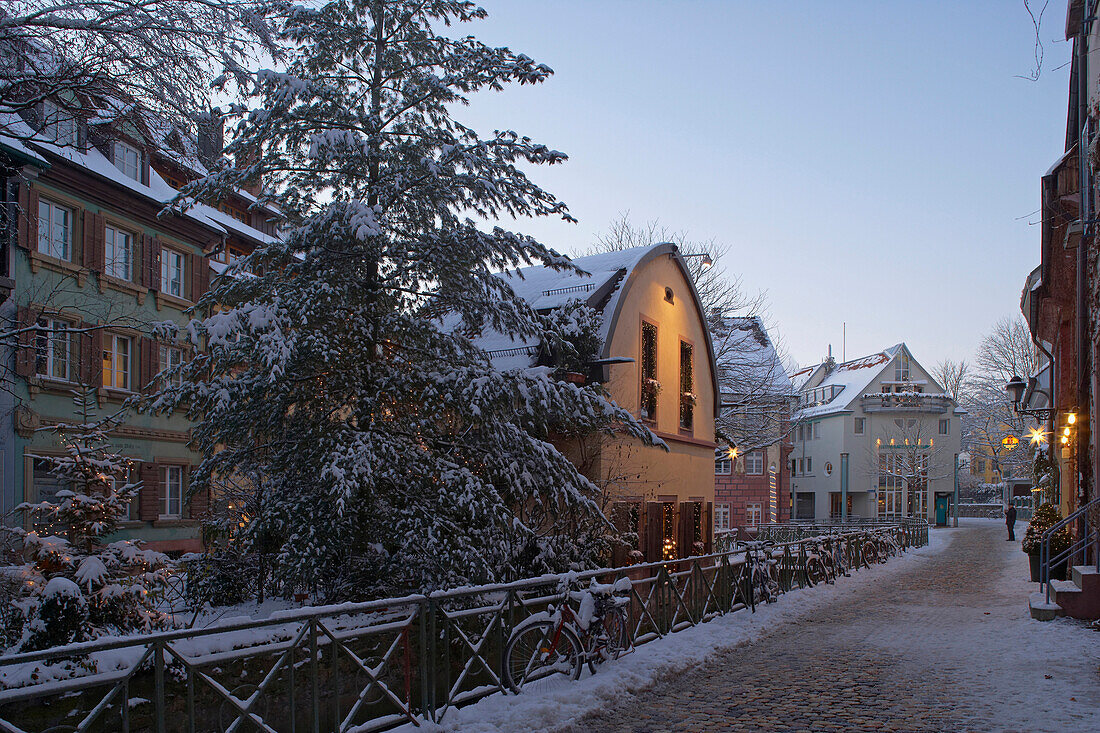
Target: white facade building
[(884, 423)]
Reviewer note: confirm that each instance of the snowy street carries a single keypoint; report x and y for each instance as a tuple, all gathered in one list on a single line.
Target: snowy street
[(938, 640), (947, 644)]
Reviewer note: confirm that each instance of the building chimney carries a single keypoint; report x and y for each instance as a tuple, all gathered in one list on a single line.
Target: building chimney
[(211, 138)]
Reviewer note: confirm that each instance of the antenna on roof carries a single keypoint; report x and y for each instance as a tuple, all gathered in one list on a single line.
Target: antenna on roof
[(844, 341), (830, 351)]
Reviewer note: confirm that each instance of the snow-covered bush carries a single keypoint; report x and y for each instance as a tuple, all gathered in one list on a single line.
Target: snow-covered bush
[(219, 579), (75, 584), (1045, 517)]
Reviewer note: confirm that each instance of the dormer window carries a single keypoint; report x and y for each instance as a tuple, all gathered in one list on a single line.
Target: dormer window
[(128, 160), (58, 124)]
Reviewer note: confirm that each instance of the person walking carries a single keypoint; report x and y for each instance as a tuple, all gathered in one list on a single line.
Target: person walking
[(1010, 520)]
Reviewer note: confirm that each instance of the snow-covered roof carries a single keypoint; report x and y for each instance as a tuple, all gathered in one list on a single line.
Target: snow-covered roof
[(544, 289), (852, 377), (746, 353), (600, 283)]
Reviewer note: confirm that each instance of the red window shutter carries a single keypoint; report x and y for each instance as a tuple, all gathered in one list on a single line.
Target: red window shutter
[(94, 241), (25, 355), (149, 495), (149, 351), (193, 284), (23, 217), (30, 219), (154, 264), (91, 357), (199, 504)]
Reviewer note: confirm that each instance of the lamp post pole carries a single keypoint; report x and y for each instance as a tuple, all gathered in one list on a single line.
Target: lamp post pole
[(955, 500), (843, 487)]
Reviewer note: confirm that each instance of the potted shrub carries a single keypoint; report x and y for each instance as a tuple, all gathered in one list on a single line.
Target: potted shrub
[(1045, 517)]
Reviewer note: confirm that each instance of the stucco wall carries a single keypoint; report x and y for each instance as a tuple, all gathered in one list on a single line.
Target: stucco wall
[(687, 469)]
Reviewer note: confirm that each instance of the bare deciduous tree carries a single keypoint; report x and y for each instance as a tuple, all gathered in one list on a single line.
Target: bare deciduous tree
[(153, 58), (751, 374), (952, 376)]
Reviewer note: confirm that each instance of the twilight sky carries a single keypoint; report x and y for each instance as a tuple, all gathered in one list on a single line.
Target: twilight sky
[(870, 162)]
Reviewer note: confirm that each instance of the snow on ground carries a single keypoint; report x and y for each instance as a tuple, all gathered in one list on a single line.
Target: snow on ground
[(549, 710)]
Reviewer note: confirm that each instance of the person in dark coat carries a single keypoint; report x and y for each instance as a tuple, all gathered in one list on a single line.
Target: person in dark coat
[(1010, 520)]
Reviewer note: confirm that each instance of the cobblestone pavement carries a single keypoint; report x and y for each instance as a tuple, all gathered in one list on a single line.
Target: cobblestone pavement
[(945, 645)]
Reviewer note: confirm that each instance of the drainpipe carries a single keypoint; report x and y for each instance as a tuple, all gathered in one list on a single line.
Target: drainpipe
[(1083, 345)]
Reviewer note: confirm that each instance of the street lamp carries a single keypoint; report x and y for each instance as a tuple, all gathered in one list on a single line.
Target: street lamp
[(707, 261), (1015, 388)]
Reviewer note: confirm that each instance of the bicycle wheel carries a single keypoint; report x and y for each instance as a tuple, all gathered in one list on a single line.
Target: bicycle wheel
[(610, 640), (870, 554), (815, 571), (534, 660)]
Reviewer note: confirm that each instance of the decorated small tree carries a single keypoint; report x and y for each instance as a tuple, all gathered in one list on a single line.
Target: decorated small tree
[(1045, 517), (75, 584)]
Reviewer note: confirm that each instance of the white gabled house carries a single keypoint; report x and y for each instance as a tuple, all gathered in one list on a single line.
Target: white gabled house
[(877, 430)]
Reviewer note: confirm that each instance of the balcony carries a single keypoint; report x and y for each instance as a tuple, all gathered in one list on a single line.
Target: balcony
[(906, 402)]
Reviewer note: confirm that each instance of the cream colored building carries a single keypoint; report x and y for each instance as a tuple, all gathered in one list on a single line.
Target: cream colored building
[(656, 360)]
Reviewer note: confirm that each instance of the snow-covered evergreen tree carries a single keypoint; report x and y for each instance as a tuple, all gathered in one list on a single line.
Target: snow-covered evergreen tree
[(76, 585), (388, 441)]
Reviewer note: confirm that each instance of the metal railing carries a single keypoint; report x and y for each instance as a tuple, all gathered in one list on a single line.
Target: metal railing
[(1089, 536), (916, 530), (357, 666)]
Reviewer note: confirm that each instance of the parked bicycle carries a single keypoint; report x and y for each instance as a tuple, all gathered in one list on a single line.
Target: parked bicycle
[(561, 641), (762, 573)]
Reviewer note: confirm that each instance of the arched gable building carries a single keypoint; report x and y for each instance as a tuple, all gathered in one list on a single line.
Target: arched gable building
[(656, 360)]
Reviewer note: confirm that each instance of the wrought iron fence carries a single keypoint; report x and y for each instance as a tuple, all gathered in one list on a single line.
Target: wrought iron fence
[(915, 531), (362, 666)]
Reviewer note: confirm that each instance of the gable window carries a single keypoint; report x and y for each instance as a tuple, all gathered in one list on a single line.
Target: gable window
[(171, 272), (945, 426), (901, 369), (723, 466), (119, 251), (170, 358), (59, 125), (860, 425), (171, 498), (51, 347), (55, 229), (754, 462), (116, 361), (128, 160), (687, 387), (650, 385)]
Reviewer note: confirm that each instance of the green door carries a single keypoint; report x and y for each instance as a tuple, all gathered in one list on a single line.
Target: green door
[(942, 501)]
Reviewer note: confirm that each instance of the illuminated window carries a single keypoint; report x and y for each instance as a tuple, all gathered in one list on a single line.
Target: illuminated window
[(687, 387), (650, 385), (721, 517), (116, 361), (753, 514)]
